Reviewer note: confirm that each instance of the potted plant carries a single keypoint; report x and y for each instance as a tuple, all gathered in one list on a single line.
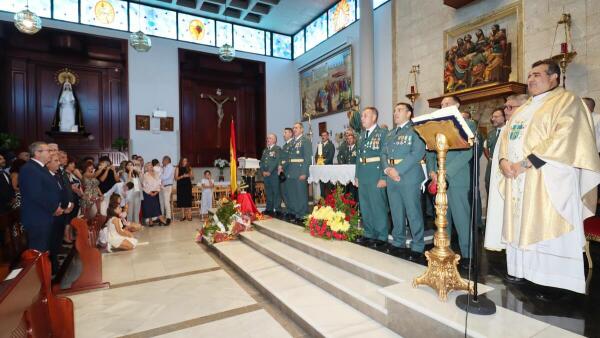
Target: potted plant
[(8, 141), (221, 164), (120, 144)]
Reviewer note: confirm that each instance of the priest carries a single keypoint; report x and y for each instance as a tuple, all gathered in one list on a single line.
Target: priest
[(550, 169)]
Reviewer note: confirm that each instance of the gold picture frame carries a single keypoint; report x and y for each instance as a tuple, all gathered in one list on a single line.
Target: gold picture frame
[(509, 18), (167, 123)]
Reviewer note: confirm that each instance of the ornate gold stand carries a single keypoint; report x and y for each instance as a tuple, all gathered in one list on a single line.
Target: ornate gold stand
[(441, 273), (320, 160)]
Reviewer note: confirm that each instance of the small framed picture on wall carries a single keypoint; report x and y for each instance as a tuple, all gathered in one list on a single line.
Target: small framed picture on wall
[(142, 122), (166, 124)]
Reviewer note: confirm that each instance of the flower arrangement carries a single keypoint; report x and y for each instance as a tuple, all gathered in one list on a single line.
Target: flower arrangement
[(335, 217), (221, 163), (227, 222)]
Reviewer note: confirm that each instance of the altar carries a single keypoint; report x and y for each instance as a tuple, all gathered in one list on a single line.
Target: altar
[(334, 174)]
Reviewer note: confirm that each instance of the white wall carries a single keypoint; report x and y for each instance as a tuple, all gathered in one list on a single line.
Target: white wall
[(383, 69), (154, 83)]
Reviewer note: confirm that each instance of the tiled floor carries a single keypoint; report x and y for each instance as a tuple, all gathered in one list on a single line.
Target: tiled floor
[(174, 287)]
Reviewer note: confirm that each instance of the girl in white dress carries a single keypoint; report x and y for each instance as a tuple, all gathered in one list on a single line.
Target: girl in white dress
[(207, 194), (118, 238)]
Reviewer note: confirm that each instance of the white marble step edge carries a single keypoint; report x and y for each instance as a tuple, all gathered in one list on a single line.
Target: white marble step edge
[(355, 291), (369, 272), (279, 284)]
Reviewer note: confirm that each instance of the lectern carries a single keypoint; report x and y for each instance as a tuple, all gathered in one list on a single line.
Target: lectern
[(443, 130)]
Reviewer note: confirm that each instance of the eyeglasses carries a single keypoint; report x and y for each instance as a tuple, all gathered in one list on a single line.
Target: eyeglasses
[(509, 107)]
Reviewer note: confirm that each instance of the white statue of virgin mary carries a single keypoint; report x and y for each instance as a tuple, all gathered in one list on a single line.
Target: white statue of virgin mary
[(67, 110)]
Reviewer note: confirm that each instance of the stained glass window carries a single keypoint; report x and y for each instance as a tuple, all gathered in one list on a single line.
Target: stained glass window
[(282, 46), (66, 10), (104, 13), (196, 29), (299, 44), (316, 31), (268, 43), (341, 15), (39, 7), (154, 21), (377, 3), (224, 34), (248, 39)]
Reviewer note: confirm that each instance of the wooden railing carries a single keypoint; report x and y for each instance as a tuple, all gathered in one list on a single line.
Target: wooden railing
[(29, 308)]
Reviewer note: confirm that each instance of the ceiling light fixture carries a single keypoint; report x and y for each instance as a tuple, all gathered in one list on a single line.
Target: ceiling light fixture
[(27, 21), (226, 53), (138, 40)]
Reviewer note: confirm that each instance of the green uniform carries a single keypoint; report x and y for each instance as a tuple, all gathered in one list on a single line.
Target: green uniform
[(328, 154), (403, 150), (269, 162), (492, 139), (373, 200), (355, 122), (284, 157), (458, 176), (346, 155), (300, 157)]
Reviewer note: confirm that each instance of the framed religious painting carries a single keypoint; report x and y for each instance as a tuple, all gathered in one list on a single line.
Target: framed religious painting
[(142, 122), (166, 124), (326, 85), (485, 51)]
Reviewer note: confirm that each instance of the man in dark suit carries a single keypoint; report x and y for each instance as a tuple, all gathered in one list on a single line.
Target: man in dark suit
[(7, 193), (59, 221), (40, 198)]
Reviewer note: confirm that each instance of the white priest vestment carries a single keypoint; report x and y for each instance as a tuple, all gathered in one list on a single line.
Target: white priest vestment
[(495, 209), (544, 208)]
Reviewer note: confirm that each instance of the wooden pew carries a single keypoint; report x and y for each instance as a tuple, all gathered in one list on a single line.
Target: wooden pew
[(13, 241), (28, 307), (89, 255)]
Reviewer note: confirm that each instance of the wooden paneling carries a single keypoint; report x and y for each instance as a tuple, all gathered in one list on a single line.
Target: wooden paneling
[(200, 138), (30, 92), (483, 93)]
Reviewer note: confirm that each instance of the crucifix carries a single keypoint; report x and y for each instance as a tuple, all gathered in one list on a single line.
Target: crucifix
[(219, 104)]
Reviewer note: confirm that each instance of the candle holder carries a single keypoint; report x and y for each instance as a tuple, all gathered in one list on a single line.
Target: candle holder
[(320, 160), (414, 90), (567, 50)]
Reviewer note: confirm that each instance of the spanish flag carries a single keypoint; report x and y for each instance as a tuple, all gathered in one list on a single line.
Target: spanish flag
[(232, 160)]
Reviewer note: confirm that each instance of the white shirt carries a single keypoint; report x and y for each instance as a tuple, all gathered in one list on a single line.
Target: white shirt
[(167, 175), (117, 189)]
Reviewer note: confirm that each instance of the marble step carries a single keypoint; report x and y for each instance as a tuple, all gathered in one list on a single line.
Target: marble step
[(359, 293), (376, 267), (318, 312)]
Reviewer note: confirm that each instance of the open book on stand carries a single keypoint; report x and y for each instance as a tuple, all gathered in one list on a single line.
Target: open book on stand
[(448, 121)]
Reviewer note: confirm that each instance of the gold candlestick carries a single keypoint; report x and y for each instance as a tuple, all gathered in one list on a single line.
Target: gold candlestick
[(320, 160), (441, 273)]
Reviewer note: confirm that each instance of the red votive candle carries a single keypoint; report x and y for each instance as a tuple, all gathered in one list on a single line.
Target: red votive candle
[(564, 48)]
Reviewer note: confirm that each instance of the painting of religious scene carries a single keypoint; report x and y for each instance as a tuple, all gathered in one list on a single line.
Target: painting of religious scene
[(482, 52), (326, 87)]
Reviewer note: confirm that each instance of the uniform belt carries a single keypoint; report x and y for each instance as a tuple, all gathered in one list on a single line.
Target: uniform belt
[(297, 160), (365, 160), (392, 161)]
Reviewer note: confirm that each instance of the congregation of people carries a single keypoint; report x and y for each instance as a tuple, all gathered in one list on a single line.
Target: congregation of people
[(396, 177), (51, 188)]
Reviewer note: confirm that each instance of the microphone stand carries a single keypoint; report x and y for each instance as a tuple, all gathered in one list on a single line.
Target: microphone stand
[(477, 304)]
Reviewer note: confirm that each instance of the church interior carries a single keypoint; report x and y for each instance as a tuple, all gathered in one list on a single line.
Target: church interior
[(292, 168)]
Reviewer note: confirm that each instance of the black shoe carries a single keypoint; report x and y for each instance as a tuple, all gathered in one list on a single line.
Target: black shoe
[(514, 280), (378, 245), (396, 251), (364, 241), (416, 257), (168, 221), (464, 264)]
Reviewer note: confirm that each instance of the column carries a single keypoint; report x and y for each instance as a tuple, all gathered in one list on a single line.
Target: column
[(366, 53)]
